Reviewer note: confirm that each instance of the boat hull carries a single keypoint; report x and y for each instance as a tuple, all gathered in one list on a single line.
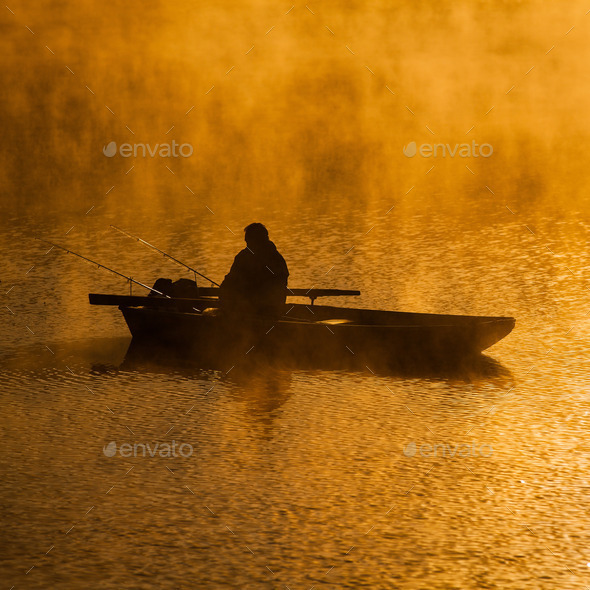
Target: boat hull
[(322, 333)]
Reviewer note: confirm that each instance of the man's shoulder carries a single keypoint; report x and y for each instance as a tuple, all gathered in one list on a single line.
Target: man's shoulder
[(243, 254), (243, 259)]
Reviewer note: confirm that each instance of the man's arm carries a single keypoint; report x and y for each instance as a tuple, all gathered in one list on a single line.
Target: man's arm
[(237, 273), (281, 266)]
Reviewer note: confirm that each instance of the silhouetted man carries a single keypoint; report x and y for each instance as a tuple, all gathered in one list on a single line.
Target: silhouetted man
[(257, 281)]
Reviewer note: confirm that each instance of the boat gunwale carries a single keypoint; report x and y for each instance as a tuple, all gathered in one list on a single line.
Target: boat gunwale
[(321, 309), (465, 320)]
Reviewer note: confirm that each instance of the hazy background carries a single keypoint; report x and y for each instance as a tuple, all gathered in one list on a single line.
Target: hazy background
[(300, 119)]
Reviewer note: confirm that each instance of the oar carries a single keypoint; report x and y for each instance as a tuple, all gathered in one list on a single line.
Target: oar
[(131, 280), (164, 253)]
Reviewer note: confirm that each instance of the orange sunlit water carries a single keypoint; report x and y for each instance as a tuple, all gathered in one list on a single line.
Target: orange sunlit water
[(297, 117)]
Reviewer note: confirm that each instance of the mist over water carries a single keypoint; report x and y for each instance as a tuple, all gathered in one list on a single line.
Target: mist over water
[(298, 117), (304, 113)]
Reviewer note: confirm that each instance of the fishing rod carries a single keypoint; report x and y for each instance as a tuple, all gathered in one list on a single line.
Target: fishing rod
[(130, 279), (165, 254)]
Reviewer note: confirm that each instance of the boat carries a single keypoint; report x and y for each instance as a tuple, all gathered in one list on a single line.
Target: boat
[(306, 331)]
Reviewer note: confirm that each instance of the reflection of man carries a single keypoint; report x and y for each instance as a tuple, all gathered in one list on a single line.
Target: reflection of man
[(257, 280)]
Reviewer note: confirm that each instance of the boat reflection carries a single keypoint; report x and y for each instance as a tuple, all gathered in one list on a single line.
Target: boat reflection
[(246, 366)]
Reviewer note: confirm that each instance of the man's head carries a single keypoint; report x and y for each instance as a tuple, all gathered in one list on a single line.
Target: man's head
[(255, 235)]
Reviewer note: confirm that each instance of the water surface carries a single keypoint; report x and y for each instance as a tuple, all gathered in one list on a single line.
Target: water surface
[(298, 476)]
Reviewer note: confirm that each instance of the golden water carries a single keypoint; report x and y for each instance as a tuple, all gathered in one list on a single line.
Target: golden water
[(297, 478)]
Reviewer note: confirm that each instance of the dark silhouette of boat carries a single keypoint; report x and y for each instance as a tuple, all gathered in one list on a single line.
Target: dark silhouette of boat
[(314, 332)]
